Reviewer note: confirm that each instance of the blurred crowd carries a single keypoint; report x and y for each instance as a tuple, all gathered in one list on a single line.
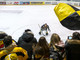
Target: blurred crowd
[(29, 48)]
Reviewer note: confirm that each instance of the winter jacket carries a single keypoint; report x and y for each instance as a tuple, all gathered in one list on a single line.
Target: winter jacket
[(20, 52), (26, 41), (72, 48)]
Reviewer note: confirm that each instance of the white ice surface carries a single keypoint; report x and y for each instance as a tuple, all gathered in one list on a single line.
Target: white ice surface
[(15, 19)]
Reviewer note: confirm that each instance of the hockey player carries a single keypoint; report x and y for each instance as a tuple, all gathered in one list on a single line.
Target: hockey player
[(44, 27)]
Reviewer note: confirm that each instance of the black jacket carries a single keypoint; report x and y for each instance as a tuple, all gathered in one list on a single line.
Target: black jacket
[(26, 41), (72, 48)]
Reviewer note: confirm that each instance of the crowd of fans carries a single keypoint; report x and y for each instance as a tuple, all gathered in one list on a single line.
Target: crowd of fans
[(28, 48)]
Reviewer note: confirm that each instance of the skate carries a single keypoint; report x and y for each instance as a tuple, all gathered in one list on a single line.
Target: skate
[(39, 33), (46, 33)]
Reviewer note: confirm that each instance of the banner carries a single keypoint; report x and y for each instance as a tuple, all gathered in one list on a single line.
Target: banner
[(2, 3), (9, 2), (24, 3), (54, 3), (16, 3), (37, 3), (48, 2), (76, 4)]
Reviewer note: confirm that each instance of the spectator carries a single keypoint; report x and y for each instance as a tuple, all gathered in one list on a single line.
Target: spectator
[(10, 48), (9, 43), (72, 47), (76, 36), (42, 49), (56, 42), (2, 35), (26, 41)]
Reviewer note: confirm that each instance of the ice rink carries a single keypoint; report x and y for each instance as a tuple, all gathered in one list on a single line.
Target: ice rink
[(15, 19)]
